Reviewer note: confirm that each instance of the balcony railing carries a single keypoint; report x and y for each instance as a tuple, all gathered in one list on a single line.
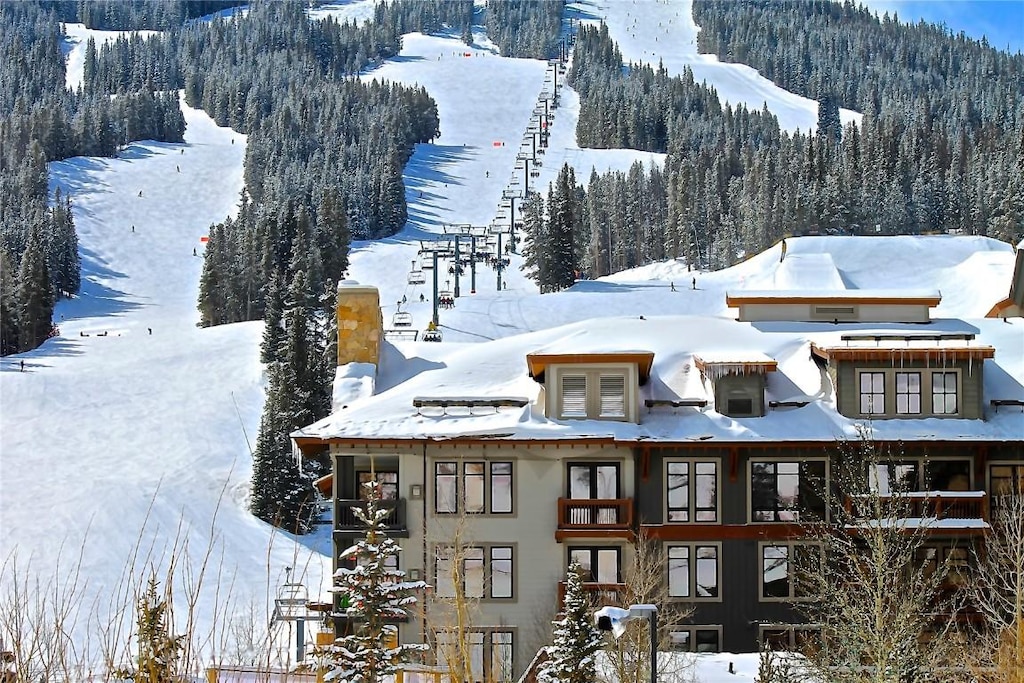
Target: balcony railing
[(601, 594), (345, 519), (595, 513), (945, 509)]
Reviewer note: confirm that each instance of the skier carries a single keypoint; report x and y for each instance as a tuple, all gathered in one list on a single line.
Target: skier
[(672, 286)]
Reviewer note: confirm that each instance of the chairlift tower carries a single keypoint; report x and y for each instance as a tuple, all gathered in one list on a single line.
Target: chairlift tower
[(291, 604), (526, 171), (512, 196), (436, 248)]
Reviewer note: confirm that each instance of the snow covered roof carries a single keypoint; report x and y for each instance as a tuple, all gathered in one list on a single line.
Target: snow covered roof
[(874, 296), (715, 364), (674, 344)]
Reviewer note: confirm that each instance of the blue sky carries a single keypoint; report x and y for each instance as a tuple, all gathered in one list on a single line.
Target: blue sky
[(1001, 21)]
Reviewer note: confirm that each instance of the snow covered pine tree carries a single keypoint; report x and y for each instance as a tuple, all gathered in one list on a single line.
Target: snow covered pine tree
[(571, 654), (376, 595)]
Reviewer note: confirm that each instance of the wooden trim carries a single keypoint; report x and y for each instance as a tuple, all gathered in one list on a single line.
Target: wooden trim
[(726, 532), (734, 300), (537, 363), (884, 353), (567, 534)]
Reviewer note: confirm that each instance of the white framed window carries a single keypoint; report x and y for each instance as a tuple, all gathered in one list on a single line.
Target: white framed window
[(474, 487), (908, 393), (694, 571), (705, 638), (491, 650), (784, 567), (486, 571), (691, 491), (872, 393), (944, 393)]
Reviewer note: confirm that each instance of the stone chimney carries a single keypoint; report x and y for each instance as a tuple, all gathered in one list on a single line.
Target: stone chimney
[(360, 325)]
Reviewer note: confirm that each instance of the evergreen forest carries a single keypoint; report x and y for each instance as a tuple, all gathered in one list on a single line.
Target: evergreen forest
[(940, 148)]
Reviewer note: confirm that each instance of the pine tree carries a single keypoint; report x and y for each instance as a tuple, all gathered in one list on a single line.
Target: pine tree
[(35, 294), (576, 641), (9, 324), (375, 595), (281, 494)]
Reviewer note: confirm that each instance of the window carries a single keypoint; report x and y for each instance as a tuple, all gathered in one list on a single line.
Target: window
[(944, 393), (697, 639), (574, 396), (486, 487), (693, 571), (446, 487), (613, 396), (491, 653), (599, 565), (787, 491), (1004, 480), (783, 566), (594, 393), (908, 393), (872, 393), (501, 571), (835, 312), (953, 474), (955, 561), (387, 483), (487, 572), (692, 491), (739, 407), (590, 482), (787, 637)]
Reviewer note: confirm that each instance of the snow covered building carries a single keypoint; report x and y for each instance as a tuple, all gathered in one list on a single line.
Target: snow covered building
[(710, 435)]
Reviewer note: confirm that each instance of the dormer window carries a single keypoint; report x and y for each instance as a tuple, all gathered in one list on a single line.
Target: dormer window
[(592, 393), (739, 380), (907, 376), (601, 386)]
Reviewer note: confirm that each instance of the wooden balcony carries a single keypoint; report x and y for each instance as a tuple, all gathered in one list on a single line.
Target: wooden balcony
[(954, 512), (347, 524), (594, 518), (601, 594)]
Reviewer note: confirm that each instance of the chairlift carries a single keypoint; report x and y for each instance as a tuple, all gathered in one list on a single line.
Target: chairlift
[(290, 602), (401, 335), (534, 174), (401, 319), (432, 335), (416, 277)]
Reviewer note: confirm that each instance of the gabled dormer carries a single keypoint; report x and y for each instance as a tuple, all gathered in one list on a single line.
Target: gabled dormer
[(906, 375), (738, 379), (591, 386)]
